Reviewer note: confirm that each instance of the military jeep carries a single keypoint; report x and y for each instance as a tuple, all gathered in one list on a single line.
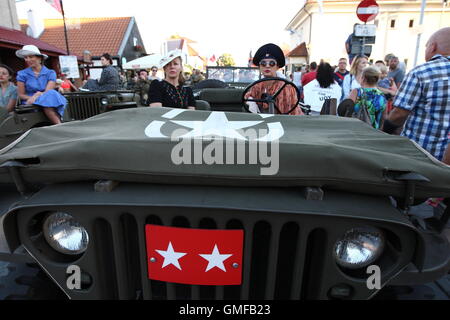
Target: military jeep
[(237, 77), (13, 125), (296, 208), (223, 87), (81, 105)]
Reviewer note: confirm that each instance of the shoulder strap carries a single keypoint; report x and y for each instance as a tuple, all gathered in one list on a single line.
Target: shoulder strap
[(358, 90)]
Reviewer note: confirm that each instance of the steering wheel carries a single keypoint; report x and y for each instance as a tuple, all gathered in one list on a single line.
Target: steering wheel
[(269, 99)]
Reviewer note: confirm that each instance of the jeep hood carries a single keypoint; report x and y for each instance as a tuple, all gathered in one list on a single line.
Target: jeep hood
[(151, 145)]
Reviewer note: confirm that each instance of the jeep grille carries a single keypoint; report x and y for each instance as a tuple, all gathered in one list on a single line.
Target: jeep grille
[(279, 259)]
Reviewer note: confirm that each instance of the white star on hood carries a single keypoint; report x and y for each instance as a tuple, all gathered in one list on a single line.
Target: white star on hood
[(170, 256), (217, 124), (215, 259)]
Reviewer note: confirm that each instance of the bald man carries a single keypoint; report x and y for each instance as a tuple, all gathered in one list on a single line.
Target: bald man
[(422, 103)]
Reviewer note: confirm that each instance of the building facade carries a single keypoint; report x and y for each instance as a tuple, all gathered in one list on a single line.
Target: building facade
[(190, 55), (13, 39), (8, 15), (325, 27)]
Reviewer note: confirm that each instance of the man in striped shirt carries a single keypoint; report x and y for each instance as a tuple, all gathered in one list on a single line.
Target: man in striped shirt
[(422, 103)]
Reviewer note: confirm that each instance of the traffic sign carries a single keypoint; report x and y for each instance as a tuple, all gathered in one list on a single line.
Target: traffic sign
[(365, 30), (366, 40), (360, 49), (367, 10)]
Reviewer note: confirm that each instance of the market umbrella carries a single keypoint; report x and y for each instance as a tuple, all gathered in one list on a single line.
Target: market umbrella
[(144, 62)]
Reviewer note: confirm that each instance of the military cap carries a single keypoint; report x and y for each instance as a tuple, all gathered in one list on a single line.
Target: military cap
[(270, 51)]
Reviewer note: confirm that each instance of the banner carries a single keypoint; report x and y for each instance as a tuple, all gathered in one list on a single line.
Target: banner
[(69, 66)]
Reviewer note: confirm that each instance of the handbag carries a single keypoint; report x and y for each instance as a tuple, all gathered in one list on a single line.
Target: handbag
[(362, 113), (329, 107)]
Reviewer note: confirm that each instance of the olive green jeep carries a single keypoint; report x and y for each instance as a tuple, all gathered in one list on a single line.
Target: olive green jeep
[(159, 203), (81, 105)]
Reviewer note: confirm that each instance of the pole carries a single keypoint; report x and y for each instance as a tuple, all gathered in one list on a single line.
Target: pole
[(363, 43), (422, 12), (65, 28)]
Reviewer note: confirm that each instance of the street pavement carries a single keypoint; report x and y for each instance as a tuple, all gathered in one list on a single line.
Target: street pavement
[(15, 280)]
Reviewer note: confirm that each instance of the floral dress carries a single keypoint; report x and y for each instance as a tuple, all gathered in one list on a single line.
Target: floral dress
[(375, 102)]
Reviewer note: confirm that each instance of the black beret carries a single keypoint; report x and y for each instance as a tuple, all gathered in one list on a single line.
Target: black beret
[(270, 50)]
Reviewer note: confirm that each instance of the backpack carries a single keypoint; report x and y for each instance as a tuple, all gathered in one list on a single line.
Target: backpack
[(329, 107), (362, 114)]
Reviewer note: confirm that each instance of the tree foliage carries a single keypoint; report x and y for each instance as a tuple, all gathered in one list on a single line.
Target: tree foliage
[(226, 60)]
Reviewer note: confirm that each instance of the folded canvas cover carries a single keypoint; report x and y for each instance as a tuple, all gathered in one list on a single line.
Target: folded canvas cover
[(162, 145)]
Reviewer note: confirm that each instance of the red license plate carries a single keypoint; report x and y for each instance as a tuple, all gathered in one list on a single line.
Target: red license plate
[(194, 256)]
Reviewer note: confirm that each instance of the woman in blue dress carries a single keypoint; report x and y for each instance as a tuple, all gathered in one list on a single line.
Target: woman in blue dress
[(36, 84)]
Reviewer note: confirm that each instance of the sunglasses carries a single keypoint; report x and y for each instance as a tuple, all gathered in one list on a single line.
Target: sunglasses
[(154, 70), (268, 63)]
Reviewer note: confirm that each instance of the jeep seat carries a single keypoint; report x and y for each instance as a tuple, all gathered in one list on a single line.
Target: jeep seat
[(223, 99), (27, 108), (202, 105), (3, 113)]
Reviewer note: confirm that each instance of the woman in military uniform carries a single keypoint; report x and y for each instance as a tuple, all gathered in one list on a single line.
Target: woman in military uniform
[(270, 58), (109, 79)]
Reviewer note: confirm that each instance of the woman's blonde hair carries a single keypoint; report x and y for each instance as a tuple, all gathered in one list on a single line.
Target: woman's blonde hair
[(355, 63), (181, 79), (371, 75)]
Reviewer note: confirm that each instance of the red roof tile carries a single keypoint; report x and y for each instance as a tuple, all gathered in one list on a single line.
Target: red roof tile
[(17, 39), (298, 51), (98, 35)]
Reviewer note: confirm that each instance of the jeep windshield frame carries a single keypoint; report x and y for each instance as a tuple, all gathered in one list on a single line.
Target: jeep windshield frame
[(233, 75)]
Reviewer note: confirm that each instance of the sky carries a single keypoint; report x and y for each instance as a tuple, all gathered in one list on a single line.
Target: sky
[(227, 26)]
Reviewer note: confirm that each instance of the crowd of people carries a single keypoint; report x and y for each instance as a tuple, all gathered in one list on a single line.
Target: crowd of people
[(416, 104)]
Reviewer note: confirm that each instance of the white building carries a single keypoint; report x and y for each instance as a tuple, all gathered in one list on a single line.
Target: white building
[(325, 25), (8, 15), (190, 55)]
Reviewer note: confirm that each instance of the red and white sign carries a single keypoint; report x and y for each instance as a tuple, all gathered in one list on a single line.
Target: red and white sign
[(367, 10), (194, 256)]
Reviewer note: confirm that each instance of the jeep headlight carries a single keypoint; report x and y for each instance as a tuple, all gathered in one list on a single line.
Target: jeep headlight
[(64, 234), (104, 101), (359, 247)]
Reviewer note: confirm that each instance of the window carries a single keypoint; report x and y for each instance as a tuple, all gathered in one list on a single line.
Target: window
[(411, 23), (393, 23)]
